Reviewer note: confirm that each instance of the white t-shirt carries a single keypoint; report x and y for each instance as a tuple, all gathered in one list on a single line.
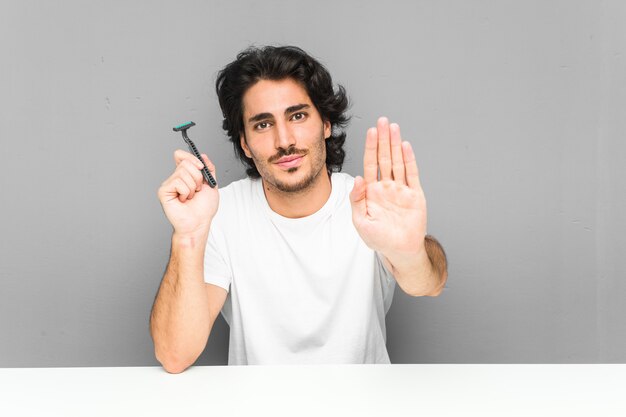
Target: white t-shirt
[(301, 291)]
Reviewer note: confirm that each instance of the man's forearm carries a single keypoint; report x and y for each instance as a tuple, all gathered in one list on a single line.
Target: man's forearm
[(180, 322), (423, 273)]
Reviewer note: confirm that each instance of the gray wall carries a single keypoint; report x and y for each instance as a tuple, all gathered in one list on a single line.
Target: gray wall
[(515, 110)]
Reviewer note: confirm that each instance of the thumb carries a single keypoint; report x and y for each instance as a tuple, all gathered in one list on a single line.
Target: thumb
[(357, 197)]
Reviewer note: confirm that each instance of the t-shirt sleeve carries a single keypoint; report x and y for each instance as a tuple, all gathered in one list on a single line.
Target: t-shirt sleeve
[(387, 282), (217, 270)]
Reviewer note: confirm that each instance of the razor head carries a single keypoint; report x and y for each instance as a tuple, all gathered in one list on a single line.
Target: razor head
[(184, 126)]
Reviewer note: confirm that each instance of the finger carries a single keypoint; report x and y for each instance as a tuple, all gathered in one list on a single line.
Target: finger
[(174, 187), (194, 184), (384, 152), (194, 166), (181, 188), (370, 161), (195, 173), (410, 166), (180, 155), (397, 161)]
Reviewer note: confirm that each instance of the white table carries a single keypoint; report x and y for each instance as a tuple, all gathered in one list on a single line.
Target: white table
[(345, 390)]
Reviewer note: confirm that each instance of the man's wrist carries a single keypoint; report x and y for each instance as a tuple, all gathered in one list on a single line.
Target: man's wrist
[(423, 272), (410, 263), (190, 240)]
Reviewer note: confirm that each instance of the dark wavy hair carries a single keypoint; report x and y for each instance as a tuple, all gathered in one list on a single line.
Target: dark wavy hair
[(277, 63)]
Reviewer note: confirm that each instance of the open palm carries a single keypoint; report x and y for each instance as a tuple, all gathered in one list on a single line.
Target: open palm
[(389, 212)]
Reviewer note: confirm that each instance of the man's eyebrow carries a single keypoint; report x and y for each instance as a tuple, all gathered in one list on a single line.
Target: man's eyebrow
[(290, 109), (260, 116), (295, 108)]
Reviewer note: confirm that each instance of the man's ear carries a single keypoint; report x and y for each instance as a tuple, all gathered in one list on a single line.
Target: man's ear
[(244, 145), (327, 129)]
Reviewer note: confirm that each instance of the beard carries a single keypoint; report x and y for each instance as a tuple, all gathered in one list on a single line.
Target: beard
[(317, 156)]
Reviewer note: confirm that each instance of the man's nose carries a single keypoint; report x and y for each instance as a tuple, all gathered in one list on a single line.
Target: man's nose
[(284, 136)]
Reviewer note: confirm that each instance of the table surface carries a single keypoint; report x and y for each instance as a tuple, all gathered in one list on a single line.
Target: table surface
[(320, 390)]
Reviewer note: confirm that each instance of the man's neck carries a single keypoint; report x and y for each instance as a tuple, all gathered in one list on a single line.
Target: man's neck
[(299, 204)]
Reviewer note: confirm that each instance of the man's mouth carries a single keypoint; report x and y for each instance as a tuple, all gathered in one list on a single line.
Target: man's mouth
[(289, 161)]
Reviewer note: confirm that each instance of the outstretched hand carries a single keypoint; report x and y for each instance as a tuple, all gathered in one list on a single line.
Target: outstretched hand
[(389, 211)]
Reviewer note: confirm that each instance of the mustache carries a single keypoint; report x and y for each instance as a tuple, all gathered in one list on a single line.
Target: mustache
[(292, 150)]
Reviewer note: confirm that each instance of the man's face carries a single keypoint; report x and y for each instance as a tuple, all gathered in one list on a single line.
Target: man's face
[(284, 134)]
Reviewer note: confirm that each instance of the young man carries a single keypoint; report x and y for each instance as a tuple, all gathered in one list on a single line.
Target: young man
[(301, 259)]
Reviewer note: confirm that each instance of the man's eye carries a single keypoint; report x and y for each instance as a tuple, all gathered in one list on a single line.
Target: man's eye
[(298, 116), (261, 126)]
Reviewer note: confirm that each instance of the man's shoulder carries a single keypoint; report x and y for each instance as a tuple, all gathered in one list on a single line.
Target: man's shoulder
[(236, 200), (239, 189), (342, 180)]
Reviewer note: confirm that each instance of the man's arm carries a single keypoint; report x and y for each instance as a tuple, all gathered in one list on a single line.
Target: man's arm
[(421, 274), (389, 212), (185, 307)]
